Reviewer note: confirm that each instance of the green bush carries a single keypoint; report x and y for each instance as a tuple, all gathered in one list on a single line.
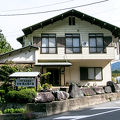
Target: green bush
[(0, 112), (47, 86), (12, 110), (22, 96), (2, 92), (39, 88), (2, 100)]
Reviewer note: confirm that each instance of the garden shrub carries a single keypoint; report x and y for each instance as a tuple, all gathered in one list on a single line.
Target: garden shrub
[(12, 110), (2, 100), (0, 112), (22, 96), (2, 92), (39, 88), (47, 86)]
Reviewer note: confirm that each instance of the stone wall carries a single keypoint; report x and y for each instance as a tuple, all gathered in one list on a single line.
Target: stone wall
[(38, 110), (56, 107)]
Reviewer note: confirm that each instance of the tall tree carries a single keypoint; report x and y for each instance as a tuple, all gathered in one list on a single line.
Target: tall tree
[(4, 45)]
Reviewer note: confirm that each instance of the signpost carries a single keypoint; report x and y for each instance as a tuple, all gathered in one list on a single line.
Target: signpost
[(25, 82), (26, 79)]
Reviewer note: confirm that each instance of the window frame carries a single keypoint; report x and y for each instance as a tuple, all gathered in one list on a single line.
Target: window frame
[(94, 73), (48, 35), (96, 35), (72, 35)]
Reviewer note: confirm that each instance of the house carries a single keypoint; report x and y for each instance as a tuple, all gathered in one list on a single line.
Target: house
[(74, 47), (24, 55)]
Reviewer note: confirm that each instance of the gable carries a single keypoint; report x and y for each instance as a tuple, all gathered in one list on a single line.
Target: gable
[(61, 27), (115, 30)]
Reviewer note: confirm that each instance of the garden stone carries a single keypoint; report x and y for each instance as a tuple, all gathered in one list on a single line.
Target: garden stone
[(114, 86), (88, 91), (61, 95), (99, 90), (107, 89), (44, 97), (75, 91)]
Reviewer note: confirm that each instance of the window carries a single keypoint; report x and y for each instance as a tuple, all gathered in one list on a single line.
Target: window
[(48, 43), (73, 43), (71, 20), (91, 73), (96, 43)]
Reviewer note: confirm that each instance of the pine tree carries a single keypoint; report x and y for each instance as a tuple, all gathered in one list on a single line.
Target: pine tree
[(4, 45)]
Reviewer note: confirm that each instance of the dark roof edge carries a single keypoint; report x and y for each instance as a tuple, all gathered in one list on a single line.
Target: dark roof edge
[(29, 47), (114, 29)]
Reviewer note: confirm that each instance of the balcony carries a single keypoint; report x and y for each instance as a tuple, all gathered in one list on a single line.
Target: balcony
[(85, 55)]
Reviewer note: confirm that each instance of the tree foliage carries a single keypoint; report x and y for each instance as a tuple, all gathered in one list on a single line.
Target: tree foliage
[(7, 69), (4, 45)]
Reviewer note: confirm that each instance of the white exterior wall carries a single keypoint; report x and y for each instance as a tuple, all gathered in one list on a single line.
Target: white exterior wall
[(83, 56), (19, 57), (72, 73)]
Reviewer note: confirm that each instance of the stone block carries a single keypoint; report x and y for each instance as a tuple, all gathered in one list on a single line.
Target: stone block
[(107, 89), (60, 95), (98, 90), (88, 91), (44, 97), (75, 91), (114, 86)]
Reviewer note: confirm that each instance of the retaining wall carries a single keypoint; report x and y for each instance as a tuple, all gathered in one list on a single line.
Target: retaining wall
[(38, 110)]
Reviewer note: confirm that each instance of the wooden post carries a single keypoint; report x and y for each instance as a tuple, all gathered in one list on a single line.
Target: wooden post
[(64, 75), (36, 82)]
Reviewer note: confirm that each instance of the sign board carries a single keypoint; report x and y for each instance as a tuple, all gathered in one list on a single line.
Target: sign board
[(25, 82)]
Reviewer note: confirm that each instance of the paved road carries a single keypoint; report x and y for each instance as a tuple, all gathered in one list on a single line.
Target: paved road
[(106, 111)]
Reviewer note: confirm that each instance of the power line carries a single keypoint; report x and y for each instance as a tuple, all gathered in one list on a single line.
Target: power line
[(55, 10), (38, 6)]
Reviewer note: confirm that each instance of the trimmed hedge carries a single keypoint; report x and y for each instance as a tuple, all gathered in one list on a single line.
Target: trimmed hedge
[(2, 92), (22, 96), (12, 110)]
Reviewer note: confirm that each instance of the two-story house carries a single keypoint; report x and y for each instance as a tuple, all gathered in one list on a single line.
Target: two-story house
[(74, 47)]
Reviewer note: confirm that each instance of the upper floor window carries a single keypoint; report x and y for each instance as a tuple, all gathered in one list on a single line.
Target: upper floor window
[(71, 20), (96, 43), (48, 43), (73, 43)]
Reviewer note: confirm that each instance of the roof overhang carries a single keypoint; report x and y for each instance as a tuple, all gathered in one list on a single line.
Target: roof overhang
[(24, 74), (29, 47), (54, 64), (114, 29)]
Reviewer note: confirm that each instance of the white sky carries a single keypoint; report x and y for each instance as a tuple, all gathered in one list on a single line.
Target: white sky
[(12, 26)]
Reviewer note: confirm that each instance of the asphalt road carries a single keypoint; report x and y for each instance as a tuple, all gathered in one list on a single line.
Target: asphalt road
[(105, 111)]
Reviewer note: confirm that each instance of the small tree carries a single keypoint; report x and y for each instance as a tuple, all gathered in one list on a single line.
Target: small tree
[(5, 71), (4, 45)]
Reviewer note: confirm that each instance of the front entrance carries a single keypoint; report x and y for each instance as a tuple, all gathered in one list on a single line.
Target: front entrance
[(54, 78)]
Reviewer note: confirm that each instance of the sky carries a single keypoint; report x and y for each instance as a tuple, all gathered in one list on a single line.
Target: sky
[(12, 26)]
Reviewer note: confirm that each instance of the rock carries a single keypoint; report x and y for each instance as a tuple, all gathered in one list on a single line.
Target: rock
[(44, 97), (114, 86), (75, 91), (61, 95), (98, 90), (107, 89), (88, 91)]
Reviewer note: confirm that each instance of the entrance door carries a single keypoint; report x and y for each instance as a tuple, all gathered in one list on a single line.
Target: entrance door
[(54, 78)]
